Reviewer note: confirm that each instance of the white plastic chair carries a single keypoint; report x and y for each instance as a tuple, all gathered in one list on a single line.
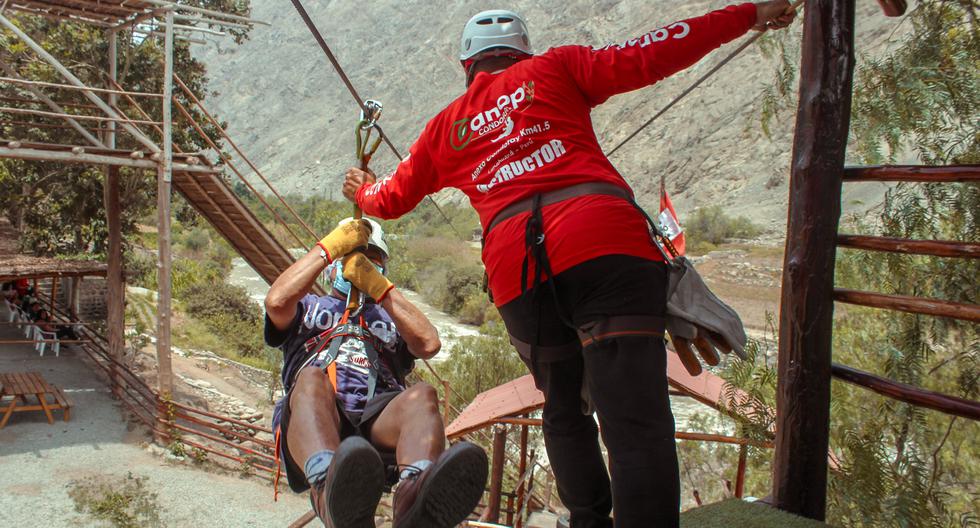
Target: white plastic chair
[(28, 325), (41, 338), (11, 311)]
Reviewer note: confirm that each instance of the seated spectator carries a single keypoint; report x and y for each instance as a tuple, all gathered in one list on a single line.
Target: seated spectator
[(33, 308), (9, 292), (23, 287), (46, 324)]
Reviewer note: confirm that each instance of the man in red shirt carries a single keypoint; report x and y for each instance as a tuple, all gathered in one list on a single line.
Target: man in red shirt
[(571, 265)]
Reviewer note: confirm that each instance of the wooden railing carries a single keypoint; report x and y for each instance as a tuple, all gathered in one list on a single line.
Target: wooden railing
[(175, 423), (907, 303)]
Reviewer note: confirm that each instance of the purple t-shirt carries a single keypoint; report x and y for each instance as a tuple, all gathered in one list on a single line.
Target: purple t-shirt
[(316, 316)]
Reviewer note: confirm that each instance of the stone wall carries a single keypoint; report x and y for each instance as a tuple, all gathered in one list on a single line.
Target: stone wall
[(91, 301)]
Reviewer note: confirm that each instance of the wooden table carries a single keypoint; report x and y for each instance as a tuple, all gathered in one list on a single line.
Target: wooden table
[(18, 386)]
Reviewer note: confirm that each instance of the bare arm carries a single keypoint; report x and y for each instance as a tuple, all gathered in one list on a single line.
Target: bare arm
[(296, 281), (414, 327), (291, 286)]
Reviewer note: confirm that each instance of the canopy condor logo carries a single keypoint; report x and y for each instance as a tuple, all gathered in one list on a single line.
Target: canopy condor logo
[(463, 131)]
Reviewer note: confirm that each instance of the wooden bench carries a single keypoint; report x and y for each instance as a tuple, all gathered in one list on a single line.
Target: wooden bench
[(19, 385)]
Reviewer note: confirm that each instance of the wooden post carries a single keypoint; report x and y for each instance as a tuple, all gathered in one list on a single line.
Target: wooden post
[(807, 307), (115, 280), (521, 469), (115, 285), (743, 456), (164, 177), (510, 509), (76, 296), (54, 293), (492, 513)]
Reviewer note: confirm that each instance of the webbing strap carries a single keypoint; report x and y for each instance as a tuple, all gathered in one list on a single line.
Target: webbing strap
[(553, 197), (621, 326)]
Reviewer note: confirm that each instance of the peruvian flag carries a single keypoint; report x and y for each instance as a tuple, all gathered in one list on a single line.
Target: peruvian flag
[(669, 223)]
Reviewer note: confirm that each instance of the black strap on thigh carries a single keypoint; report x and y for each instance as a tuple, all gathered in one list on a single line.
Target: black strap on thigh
[(620, 326)]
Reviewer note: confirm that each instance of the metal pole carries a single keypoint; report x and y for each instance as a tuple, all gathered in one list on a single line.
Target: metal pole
[(492, 513), (164, 177), (75, 81), (521, 469)]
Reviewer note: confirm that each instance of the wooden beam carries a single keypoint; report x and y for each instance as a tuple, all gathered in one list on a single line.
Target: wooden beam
[(913, 173), (904, 392), (935, 248), (908, 303), (807, 308), (93, 159)]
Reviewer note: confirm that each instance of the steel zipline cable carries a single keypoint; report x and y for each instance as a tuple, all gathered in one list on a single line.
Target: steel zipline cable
[(360, 102), (748, 42)]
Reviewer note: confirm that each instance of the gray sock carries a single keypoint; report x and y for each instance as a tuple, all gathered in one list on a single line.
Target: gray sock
[(316, 466), (413, 468)]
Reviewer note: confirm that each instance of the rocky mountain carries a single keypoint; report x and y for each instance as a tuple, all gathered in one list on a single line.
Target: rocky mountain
[(292, 114)]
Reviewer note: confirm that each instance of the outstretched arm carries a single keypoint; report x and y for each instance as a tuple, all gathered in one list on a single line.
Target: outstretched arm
[(400, 191), (603, 72)]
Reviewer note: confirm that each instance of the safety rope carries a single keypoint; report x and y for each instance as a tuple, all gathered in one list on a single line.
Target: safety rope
[(360, 102), (748, 42)]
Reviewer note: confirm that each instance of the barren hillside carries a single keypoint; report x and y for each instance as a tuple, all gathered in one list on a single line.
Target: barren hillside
[(292, 114)]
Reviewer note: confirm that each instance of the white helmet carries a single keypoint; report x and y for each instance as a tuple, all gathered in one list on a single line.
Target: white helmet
[(497, 28), (377, 238)]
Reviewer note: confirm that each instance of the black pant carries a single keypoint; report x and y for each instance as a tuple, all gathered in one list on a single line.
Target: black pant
[(627, 380)]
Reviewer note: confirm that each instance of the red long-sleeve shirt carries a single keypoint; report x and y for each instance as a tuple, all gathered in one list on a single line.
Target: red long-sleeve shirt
[(528, 130)]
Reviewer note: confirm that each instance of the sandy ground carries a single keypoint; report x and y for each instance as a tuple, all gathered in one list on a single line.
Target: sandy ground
[(38, 461)]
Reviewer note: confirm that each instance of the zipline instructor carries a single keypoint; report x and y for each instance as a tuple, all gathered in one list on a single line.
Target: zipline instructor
[(572, 269)]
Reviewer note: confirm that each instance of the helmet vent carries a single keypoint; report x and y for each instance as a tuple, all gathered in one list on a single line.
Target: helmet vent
[(485, 22), (504, 20)]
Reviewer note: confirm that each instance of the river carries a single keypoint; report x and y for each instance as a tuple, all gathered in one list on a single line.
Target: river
[(450, 329)]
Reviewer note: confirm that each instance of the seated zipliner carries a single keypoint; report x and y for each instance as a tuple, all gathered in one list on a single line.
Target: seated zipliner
[(344, 368)]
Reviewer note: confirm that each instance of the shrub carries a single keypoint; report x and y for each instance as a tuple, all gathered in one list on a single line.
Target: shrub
[(125, 504), (710, 226), (209, 301)]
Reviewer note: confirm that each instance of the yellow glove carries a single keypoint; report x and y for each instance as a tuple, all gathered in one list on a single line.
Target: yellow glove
[(360, 271), (345, 238)]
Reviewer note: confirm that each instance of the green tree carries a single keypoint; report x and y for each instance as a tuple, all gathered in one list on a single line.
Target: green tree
[(58, 207)]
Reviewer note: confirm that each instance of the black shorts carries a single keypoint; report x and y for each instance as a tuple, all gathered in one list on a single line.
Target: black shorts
[(350, 424)]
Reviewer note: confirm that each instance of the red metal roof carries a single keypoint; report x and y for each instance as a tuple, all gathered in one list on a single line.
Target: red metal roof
[(520, 397), (512, 398)]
